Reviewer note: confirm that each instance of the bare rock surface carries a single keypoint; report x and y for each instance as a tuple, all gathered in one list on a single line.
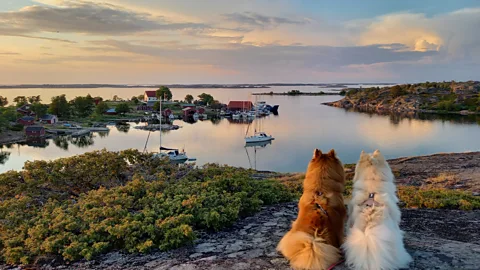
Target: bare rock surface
[(436, 239), (461, 170)]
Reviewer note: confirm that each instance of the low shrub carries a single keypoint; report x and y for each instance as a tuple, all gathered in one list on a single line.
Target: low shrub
[(161, 206), (415, 197), (16, 127)]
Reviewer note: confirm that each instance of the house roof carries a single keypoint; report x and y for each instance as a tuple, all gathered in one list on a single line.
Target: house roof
[(24, 107), (48, 117), (151, 93), (240, 104), (34, 128), (27, 118)]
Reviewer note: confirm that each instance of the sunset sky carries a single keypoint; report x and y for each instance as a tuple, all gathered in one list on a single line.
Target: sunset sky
[(223, 41)]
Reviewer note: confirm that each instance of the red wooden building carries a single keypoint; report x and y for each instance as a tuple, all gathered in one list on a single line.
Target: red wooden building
[(188, 112), (25, 109), (34, 131), (26, 120), (240, 105)]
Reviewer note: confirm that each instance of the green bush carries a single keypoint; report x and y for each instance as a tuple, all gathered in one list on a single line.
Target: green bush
[(130, 202), (448, 105), (16, 127), (352, 92), (415, 197), (397, 91)]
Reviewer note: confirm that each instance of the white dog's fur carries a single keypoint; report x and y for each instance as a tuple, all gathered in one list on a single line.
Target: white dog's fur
[(374, 239)]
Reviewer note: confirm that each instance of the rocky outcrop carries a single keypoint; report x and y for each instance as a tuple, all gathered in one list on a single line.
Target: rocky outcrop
[(410, 99), (437, 239), (450, 170), (404, 104)]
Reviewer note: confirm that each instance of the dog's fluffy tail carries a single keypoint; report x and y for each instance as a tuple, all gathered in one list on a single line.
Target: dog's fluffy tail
[(305, 251), (378, 247)]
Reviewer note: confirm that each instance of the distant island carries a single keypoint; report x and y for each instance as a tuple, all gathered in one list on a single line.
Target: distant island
[(428, 97), (295, 93), (232, 86)]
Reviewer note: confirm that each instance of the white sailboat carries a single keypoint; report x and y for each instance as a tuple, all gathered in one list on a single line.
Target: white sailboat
[(258, 136), (173, 154)]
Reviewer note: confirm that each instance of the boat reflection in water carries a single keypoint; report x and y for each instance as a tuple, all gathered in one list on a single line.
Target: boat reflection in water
[(255, 146)]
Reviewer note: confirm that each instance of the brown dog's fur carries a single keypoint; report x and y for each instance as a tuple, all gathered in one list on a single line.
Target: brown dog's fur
[(315, 237)]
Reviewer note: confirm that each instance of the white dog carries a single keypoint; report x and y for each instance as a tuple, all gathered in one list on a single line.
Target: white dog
[(374, 239)]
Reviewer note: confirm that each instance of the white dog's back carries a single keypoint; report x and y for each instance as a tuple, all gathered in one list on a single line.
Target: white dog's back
[(374, 239)]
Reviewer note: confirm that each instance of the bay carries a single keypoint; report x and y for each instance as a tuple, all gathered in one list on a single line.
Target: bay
[(303, 124)]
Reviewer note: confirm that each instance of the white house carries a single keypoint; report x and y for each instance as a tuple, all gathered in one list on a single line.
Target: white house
[(150, 96), (49, 119)]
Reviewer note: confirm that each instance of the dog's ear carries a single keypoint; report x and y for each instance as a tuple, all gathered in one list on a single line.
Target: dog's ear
[(316, 153), (378, 156), (364, 156), (332, 153)]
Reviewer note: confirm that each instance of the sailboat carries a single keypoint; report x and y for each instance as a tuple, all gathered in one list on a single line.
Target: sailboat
[(258, 136), (173, 154)]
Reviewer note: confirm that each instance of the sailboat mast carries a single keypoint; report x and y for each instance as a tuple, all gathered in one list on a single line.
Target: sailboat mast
[(256, 113), (160, 119)]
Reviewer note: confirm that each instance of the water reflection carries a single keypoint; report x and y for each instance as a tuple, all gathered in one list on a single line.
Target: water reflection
[(83, 141), (123, 127), (396, 118), (38, 142), (252, 161), (4, 157), (215, 120), (239, 121), (103, 134), (61, 142)]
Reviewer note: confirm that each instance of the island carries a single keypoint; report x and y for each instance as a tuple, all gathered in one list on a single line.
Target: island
[(429, 97), (295, 93)]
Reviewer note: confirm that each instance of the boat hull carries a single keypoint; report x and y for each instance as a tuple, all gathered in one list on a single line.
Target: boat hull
[(258, 139)]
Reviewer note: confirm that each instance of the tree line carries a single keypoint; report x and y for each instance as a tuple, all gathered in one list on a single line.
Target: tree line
[(85, 106)]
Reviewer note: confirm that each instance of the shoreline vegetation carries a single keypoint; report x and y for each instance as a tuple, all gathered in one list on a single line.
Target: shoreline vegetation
[(86, 205), (234, 86), (429, 97), (88, 111)]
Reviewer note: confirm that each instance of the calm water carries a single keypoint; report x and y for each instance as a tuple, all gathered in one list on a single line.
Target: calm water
[(302, 125)]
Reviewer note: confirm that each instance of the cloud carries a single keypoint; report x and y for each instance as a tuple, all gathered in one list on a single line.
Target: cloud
[(36, 37), (257, 20), (86, 18), (453, 33), (249, 57), (79, 58)]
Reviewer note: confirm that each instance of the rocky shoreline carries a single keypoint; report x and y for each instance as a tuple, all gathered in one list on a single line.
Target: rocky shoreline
[(10, 137), (347, 103), (436, 238), (434, 98)]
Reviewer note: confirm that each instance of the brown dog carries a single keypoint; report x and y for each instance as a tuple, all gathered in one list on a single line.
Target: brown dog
[(317, 234)]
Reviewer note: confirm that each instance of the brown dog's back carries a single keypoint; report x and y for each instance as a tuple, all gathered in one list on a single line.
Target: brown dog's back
[(321, 216)]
